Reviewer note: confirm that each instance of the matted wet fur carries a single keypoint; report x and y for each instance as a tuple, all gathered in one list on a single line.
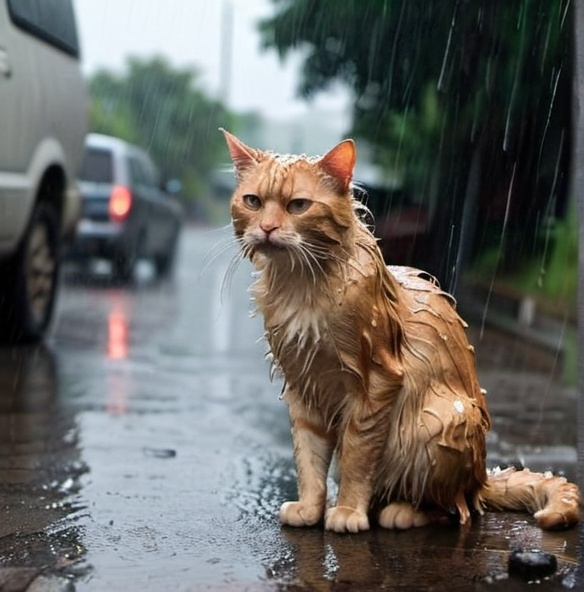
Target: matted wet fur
[(375, 359)]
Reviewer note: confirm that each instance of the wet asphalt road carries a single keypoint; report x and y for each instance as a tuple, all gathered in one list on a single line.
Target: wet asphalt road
[(144, 448)]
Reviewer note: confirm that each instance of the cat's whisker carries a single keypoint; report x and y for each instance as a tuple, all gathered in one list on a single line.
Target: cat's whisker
[(219, 249), (225, 228), (311, 255), (305, 258), (245, 251), (227, 282)]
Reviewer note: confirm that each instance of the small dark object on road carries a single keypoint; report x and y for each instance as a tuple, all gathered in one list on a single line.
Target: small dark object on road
[(160, 452), (532, 564)]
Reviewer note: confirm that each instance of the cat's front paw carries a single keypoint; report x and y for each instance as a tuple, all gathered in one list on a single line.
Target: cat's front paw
[(345, 519), (300, 514)]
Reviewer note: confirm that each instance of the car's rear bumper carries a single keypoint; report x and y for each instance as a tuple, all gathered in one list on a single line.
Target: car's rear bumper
[(97, 239)]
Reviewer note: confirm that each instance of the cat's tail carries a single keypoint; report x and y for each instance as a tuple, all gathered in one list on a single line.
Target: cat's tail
[(554, 501)]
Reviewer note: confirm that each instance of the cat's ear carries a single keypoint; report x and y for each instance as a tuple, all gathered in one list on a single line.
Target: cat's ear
[(340, 162), (242, 156)]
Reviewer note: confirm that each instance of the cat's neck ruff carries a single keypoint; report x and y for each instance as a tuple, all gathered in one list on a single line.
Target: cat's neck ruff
[(296, 303)]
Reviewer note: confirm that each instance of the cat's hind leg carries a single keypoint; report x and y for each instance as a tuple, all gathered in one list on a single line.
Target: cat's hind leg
[(403, 516), (435, 463)]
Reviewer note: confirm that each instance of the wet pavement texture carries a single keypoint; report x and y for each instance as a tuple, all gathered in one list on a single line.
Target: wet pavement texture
[(145, 448)]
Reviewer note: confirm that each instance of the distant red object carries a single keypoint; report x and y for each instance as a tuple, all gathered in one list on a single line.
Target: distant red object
[(120, 203)]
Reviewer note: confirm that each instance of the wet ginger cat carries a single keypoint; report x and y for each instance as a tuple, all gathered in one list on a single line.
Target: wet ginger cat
[(377, 367)]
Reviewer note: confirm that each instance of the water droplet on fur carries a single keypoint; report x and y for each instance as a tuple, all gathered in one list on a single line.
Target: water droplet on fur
[(373, 323)]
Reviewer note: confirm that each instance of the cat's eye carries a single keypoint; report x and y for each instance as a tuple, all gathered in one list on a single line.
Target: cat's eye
[(253, 202), (298, 205)]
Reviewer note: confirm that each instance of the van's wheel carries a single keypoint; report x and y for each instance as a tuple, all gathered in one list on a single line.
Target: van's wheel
[(29, 280)]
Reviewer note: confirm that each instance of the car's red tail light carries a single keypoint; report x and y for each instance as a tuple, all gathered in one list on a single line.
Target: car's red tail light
[(120, 203)]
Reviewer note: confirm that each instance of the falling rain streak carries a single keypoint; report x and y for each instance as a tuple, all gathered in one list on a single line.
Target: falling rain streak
[(500, 251)]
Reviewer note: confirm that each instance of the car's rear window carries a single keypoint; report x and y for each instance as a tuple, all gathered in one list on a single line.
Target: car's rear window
[(97, 166)]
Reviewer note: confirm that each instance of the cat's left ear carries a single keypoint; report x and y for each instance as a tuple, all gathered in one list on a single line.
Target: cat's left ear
[(340, 162), (242, 156)]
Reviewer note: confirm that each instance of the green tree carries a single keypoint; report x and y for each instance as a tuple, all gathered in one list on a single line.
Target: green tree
[(165, 110), (467, 100)]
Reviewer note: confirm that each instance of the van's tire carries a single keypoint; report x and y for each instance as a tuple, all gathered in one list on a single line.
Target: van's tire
[(29, 279)]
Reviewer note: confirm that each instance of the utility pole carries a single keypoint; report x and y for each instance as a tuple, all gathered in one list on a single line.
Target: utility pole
[(226, 51)]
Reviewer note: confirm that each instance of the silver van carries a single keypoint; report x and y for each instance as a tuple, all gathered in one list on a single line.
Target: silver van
[(43, 120)]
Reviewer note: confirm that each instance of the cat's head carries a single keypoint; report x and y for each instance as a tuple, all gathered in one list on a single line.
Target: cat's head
[(291, 206)]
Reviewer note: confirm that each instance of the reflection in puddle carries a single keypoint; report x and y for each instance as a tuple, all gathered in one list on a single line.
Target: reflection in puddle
[(118, 392), (40, 463), (117, 335), (118, 385)]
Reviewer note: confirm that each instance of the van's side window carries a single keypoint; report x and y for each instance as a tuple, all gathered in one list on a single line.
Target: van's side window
[(52, 21)]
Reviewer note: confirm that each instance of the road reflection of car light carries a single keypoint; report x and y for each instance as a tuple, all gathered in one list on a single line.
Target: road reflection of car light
[(118, 393), (119, 384), (117, 342)]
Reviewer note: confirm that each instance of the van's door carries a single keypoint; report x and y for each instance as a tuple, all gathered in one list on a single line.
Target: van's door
[(42, 108), (19, 104)]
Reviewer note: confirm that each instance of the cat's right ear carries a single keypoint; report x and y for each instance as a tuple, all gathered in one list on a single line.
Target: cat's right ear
[(242, 156)]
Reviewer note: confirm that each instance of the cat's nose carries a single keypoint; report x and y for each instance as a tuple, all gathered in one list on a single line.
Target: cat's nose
[(269, 225)]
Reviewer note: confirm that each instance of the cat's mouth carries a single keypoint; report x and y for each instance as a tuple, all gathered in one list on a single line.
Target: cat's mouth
[(271, 249), (270, 242), (268, 246)]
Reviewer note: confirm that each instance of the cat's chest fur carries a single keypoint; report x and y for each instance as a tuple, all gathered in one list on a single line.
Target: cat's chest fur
[(296, 320), (321, 337), (299, 314)]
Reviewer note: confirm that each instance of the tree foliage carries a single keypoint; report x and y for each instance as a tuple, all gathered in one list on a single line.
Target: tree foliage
[(457, 96), (165, 110)]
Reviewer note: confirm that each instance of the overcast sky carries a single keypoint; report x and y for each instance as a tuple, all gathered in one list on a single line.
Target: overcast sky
[(190, 33)]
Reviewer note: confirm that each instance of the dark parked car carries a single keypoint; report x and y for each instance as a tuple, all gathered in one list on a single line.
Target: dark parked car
[(125, 214)]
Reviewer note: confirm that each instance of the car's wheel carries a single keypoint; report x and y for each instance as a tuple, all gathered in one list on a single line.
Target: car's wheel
[(124, 263), (123, 267), (164, 262), (28, 280)]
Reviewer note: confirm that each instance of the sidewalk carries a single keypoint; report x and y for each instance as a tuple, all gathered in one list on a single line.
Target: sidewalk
[(517, 315)]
